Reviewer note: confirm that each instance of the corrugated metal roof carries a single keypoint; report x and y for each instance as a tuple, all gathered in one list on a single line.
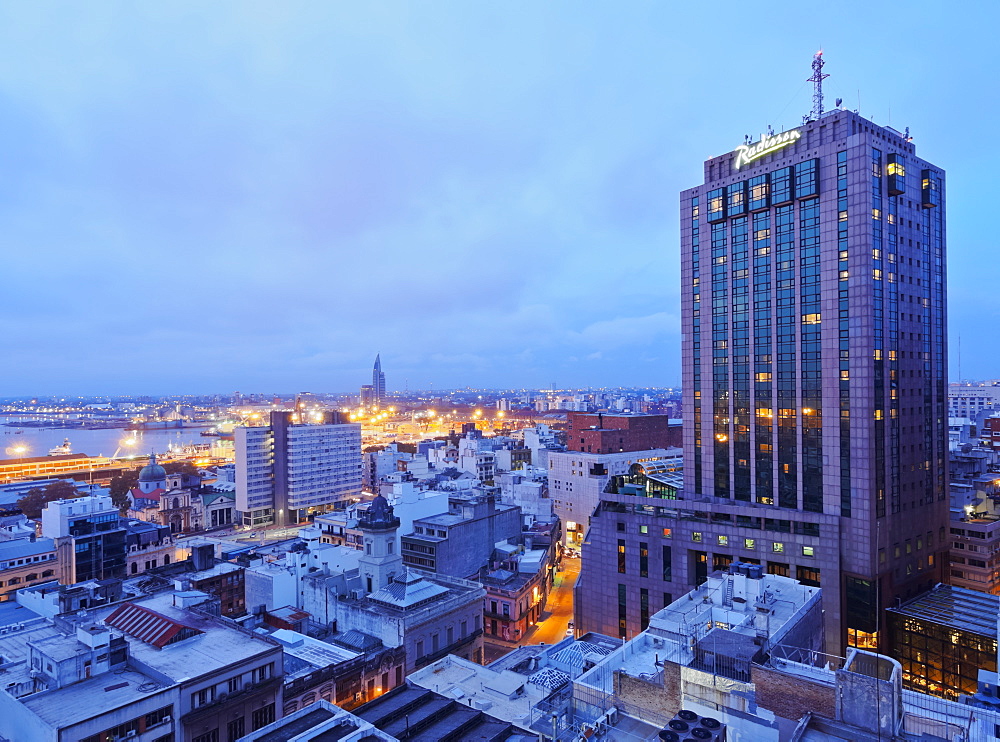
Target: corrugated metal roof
[(145, 625)]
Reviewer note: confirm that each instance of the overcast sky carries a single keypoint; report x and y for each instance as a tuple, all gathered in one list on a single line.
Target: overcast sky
[(204, 197)]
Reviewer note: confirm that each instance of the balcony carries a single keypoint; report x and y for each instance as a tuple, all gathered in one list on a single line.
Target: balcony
[(450, 649), (247, 691)]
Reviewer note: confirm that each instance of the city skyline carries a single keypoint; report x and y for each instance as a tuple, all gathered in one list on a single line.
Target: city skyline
[(506, 182)]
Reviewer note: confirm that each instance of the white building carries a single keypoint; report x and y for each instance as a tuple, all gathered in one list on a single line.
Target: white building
[(285, 471), (969, 400), (143, 671), (577, 479), (528, 489)]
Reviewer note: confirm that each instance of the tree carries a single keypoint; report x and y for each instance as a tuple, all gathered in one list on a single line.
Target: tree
[(120, 487), (181, 467), (35, 501)]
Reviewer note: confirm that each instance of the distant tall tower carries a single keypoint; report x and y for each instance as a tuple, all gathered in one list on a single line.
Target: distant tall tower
[(378, 380)]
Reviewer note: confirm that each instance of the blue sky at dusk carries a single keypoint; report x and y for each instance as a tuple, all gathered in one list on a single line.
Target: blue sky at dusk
[(203, 197)]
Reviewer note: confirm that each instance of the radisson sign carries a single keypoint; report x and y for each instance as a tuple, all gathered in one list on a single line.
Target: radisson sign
[(747, 153)]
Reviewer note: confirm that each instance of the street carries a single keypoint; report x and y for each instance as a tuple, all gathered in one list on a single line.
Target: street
[(558, 608), (555, 618)]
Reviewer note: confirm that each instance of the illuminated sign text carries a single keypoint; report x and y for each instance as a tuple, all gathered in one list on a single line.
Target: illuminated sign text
[(747, 153)]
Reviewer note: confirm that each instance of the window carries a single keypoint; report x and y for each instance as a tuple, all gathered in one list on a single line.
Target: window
[(723, 540), (261, 674), (749, 543), (157, 717), (621, 556), (696, 536), (622, 611), (235, 684), (124, 730), (235, 729), (807, 576), (807, 551), (778, 548), (202, 697), (668, 533), (262, 717), (212, 736)]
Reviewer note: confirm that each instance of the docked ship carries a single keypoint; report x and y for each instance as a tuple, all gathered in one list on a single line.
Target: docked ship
[(61, 450)]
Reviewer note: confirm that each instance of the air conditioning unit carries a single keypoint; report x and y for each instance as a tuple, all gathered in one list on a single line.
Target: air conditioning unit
[(167, 719), (687, 725), (129, 734)]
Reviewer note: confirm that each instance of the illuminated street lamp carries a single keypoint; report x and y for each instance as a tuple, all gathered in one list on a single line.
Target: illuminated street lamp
[(18, 450)]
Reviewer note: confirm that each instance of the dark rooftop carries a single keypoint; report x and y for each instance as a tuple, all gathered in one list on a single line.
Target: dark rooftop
[(417, 715), (302, 724), (956, 608)]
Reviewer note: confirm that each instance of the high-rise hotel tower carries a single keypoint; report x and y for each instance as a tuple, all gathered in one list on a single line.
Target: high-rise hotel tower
[(814, 365)]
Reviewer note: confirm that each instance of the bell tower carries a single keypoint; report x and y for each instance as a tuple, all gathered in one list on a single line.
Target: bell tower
[(381, 560)]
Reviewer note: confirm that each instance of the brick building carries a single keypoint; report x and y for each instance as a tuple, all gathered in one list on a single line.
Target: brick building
[(600, 433)]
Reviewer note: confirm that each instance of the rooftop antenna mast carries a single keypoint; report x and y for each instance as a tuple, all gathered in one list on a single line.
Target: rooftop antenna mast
[(817, 80)]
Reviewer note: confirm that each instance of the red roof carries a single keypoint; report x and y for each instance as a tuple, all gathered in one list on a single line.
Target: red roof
[(146, 625), (138, 494)]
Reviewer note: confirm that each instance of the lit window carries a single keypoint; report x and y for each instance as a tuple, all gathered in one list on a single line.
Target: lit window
[(696, 536), (811, 319), (667, 533), (807, 551), (643, 529), (778, 548), (723, 540), (749, 543)]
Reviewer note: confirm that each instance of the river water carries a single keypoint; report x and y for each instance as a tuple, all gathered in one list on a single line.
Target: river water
[(39, 441)]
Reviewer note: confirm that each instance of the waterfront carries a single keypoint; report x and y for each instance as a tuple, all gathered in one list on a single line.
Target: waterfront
[(106, 442)]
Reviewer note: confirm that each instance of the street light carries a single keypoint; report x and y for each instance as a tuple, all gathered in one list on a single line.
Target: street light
[(18, 450)]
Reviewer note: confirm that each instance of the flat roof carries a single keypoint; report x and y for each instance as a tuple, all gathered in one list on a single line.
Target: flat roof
[(23, 547), (317, 653), (80, 701), (956, 608), (504, 694), (715, 604)]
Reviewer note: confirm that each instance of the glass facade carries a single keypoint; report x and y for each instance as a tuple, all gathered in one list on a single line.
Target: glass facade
[(826, 390)]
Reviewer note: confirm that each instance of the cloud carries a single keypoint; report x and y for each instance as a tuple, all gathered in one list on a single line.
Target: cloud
[(627, 331)]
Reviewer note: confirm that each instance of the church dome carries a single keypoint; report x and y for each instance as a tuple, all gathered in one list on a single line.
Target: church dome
[(152, 472)]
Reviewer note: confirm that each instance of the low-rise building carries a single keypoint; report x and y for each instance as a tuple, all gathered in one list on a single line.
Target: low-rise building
[(145, 670), (89, 537), (459, 542), (577, 480), (617, 433), (25, 562), (149, 546), (319, 722), (517, 585), (943, 639), (442, 719), (975, 553)]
